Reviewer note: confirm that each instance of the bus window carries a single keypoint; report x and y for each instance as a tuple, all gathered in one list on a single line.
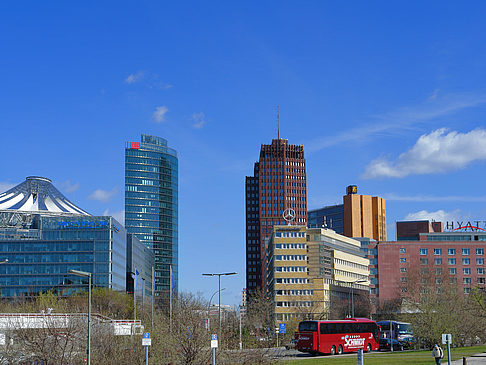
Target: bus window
[(308, 326), (324, 328)]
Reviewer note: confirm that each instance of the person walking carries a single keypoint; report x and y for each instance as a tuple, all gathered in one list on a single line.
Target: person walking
[(438, 354)]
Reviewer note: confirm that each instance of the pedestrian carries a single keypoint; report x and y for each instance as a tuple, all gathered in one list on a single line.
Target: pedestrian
[(437, 353)]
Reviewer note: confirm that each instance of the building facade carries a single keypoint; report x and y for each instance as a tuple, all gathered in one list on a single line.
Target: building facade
[(141, 260), (331, 217), (279, 182), (151, 204), (431, 260), (43, 235), (364, 215), (311, 269)]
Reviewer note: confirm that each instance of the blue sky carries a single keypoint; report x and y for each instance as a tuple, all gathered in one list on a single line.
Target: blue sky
[(386, 95)]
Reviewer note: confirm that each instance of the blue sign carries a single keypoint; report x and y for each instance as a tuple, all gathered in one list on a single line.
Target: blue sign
[(214, 337), (282, 328), (82, 224), (146, 335)]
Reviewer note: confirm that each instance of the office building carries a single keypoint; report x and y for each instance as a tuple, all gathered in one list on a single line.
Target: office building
[(331, 217), (411, 230), (151, 204), (43, 235), (310, 270), (364, 215), (140, 261), (278, 183)]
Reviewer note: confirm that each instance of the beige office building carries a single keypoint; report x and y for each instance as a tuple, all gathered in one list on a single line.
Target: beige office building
[(309, 268), (364, 215)]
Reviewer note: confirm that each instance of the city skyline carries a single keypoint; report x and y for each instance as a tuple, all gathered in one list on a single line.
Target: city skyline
[(398, 113)]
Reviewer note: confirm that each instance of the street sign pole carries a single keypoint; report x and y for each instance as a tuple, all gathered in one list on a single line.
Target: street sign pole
[(146, 342), (447, 340), (146, 355), (214, 344)]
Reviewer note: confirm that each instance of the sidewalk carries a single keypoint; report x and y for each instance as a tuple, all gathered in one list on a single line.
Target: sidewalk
[(473, 360)]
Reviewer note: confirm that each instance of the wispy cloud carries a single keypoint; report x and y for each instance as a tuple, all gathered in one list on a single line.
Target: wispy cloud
[(5, 185), (434, 198), (133, 78), (438, 216), (68, 187), (118, 215), (436, 152), (400, 119), (103, 195), (198, 119), (159, 113)]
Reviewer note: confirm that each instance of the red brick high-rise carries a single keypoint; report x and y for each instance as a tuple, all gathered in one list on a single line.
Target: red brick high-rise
[(278, 182)]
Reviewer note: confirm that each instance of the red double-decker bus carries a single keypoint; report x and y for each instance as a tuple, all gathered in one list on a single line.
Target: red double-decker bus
[(336, 337)]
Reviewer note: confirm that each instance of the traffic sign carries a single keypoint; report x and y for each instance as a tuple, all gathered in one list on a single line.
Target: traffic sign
[(214, 341), (446, 338), (146, 340), (282, 328)]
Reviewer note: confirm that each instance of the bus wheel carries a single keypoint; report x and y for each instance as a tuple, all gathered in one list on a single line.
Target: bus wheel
[(333, 350), (340, 350), (368, 348)]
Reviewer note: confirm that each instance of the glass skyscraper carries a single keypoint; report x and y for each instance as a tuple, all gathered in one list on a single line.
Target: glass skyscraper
[(151, 204)]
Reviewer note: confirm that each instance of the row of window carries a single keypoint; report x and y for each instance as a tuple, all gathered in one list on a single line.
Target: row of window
[(294, 292), (286, 246), (452, 261), (450, 251), (290, 269), (290, 257), (290, 234), (291, 281), (350, 264), (294, 304)]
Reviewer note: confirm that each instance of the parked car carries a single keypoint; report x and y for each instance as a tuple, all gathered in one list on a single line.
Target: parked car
[(290, 345), (385, 344)]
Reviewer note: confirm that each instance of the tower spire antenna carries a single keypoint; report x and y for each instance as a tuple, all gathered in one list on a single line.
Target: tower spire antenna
[(278, 122)]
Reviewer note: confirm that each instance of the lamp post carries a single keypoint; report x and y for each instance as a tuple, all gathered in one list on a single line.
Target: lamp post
[(209, 305), (219, 291), (86, 275), (352, 293)]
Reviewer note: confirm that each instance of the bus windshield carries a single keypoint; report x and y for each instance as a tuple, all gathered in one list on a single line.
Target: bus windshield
[(308, 326), (404, 329)]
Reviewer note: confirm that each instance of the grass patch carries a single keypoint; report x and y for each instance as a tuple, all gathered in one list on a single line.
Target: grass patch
[(387, 358)]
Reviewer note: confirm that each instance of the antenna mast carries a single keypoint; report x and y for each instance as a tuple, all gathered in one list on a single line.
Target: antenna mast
[(278, 122)]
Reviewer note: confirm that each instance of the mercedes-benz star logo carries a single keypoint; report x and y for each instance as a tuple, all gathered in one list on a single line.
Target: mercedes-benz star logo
[(289, 215)]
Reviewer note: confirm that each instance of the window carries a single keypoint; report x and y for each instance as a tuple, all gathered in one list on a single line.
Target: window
[(466, 271), (451, 251), (424, 261), (481, 281), (479, 251), (403, 259), (467, 290), (403, 250), (437, 251), (404, 279), (423, 251), (452, 271), (465, 251), (452, 261), (438, 271), (480, 261), (438, 261), (466, 280), (466, 261), (480, 271), (403, 269)]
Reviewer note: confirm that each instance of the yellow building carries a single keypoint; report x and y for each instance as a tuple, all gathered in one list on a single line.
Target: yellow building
[(364, 215), (308, 268)]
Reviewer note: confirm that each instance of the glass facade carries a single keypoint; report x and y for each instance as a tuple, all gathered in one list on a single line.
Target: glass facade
[(329, 217), (40, 256), (151, 204)]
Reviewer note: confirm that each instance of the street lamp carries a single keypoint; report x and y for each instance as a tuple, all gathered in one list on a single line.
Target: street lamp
[(219, 291), (209, 304), (86, 275), (352, 292)]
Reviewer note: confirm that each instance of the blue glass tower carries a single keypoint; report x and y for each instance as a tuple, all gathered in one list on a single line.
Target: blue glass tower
[(151, 204)]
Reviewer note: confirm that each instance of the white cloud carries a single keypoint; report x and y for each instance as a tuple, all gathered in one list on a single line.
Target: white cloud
[(119, 215), (159, 113), (103, 195), (5, 185), (436, 152), (400, 119), (438, 216), (198, 119), (68, 187), (133, 78)]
